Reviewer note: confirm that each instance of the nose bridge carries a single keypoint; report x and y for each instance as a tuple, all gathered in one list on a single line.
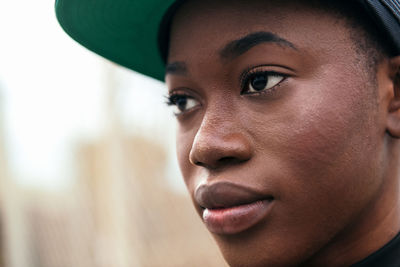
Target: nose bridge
[(214, 129), (219, 117), (219, 140)]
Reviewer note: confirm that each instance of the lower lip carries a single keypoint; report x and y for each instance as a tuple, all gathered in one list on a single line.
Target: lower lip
[(236, 219)]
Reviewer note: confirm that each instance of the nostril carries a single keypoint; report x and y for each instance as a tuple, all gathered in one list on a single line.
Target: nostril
[(201, 164), (220, 162), (231, 160), (226, 159)]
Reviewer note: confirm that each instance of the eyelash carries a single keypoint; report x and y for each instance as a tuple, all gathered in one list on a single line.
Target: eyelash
[(171, 100)]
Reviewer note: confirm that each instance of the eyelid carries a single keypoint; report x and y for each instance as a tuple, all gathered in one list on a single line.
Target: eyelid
[(184, 91), (272, 69), (173, 94)]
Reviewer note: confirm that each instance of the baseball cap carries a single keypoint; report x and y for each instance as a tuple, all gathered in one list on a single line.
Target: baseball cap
[(134, 33)]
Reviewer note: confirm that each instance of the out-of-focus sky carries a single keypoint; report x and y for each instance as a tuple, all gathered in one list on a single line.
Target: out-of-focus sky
[(53, 94)]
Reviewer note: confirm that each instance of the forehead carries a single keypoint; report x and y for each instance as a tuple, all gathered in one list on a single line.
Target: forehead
[(206, 26)]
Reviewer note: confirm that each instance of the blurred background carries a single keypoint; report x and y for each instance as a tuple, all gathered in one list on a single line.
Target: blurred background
[(88, 176)]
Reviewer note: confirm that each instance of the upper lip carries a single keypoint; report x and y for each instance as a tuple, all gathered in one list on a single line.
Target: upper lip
[(226, 194)]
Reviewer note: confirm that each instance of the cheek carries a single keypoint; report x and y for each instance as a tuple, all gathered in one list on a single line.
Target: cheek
[(317, 141), (333, 132), (184, 142), (183, 145), (324, 136), (326, 119), (329, 156)]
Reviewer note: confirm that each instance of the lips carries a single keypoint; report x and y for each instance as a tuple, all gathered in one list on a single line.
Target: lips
[(229, 208)]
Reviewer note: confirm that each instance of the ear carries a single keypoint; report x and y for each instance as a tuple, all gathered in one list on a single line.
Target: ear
[(393, 125)]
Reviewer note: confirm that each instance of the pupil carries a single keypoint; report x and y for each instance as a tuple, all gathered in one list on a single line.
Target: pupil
[(181, 103), (259, 82)]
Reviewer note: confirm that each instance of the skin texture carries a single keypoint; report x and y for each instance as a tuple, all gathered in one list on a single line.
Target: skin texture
[(323, 142)]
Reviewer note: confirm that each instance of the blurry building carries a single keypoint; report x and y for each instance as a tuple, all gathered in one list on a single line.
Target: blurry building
[(135, 211), (2, 178), (121, 213)]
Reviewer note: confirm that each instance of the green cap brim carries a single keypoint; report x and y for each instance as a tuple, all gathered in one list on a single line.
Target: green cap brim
[(123, 31)]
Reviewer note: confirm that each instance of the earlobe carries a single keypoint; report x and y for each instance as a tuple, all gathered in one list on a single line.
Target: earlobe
[(393, 125)]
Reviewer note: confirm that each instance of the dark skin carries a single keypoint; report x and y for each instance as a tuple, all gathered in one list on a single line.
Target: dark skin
[(321, 140)]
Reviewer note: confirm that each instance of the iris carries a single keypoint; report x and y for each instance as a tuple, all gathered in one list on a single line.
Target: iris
[(259, 82)]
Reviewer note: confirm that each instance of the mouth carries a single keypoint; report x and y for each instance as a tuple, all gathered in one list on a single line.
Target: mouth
[(228, 208)]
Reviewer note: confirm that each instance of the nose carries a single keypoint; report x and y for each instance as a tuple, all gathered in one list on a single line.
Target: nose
[(219, 142)]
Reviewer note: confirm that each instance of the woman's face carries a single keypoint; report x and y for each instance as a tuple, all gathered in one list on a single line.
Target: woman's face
[(280, 134)]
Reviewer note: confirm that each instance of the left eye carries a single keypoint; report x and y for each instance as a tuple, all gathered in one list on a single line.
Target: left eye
[(261, 81), (182, 103)]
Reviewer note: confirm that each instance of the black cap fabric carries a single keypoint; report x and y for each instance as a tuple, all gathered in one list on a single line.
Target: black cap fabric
[(386, 14)]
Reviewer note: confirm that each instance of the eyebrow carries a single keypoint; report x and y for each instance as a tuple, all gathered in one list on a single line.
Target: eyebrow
[(177, 67), (234, 49), (240, 46)]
